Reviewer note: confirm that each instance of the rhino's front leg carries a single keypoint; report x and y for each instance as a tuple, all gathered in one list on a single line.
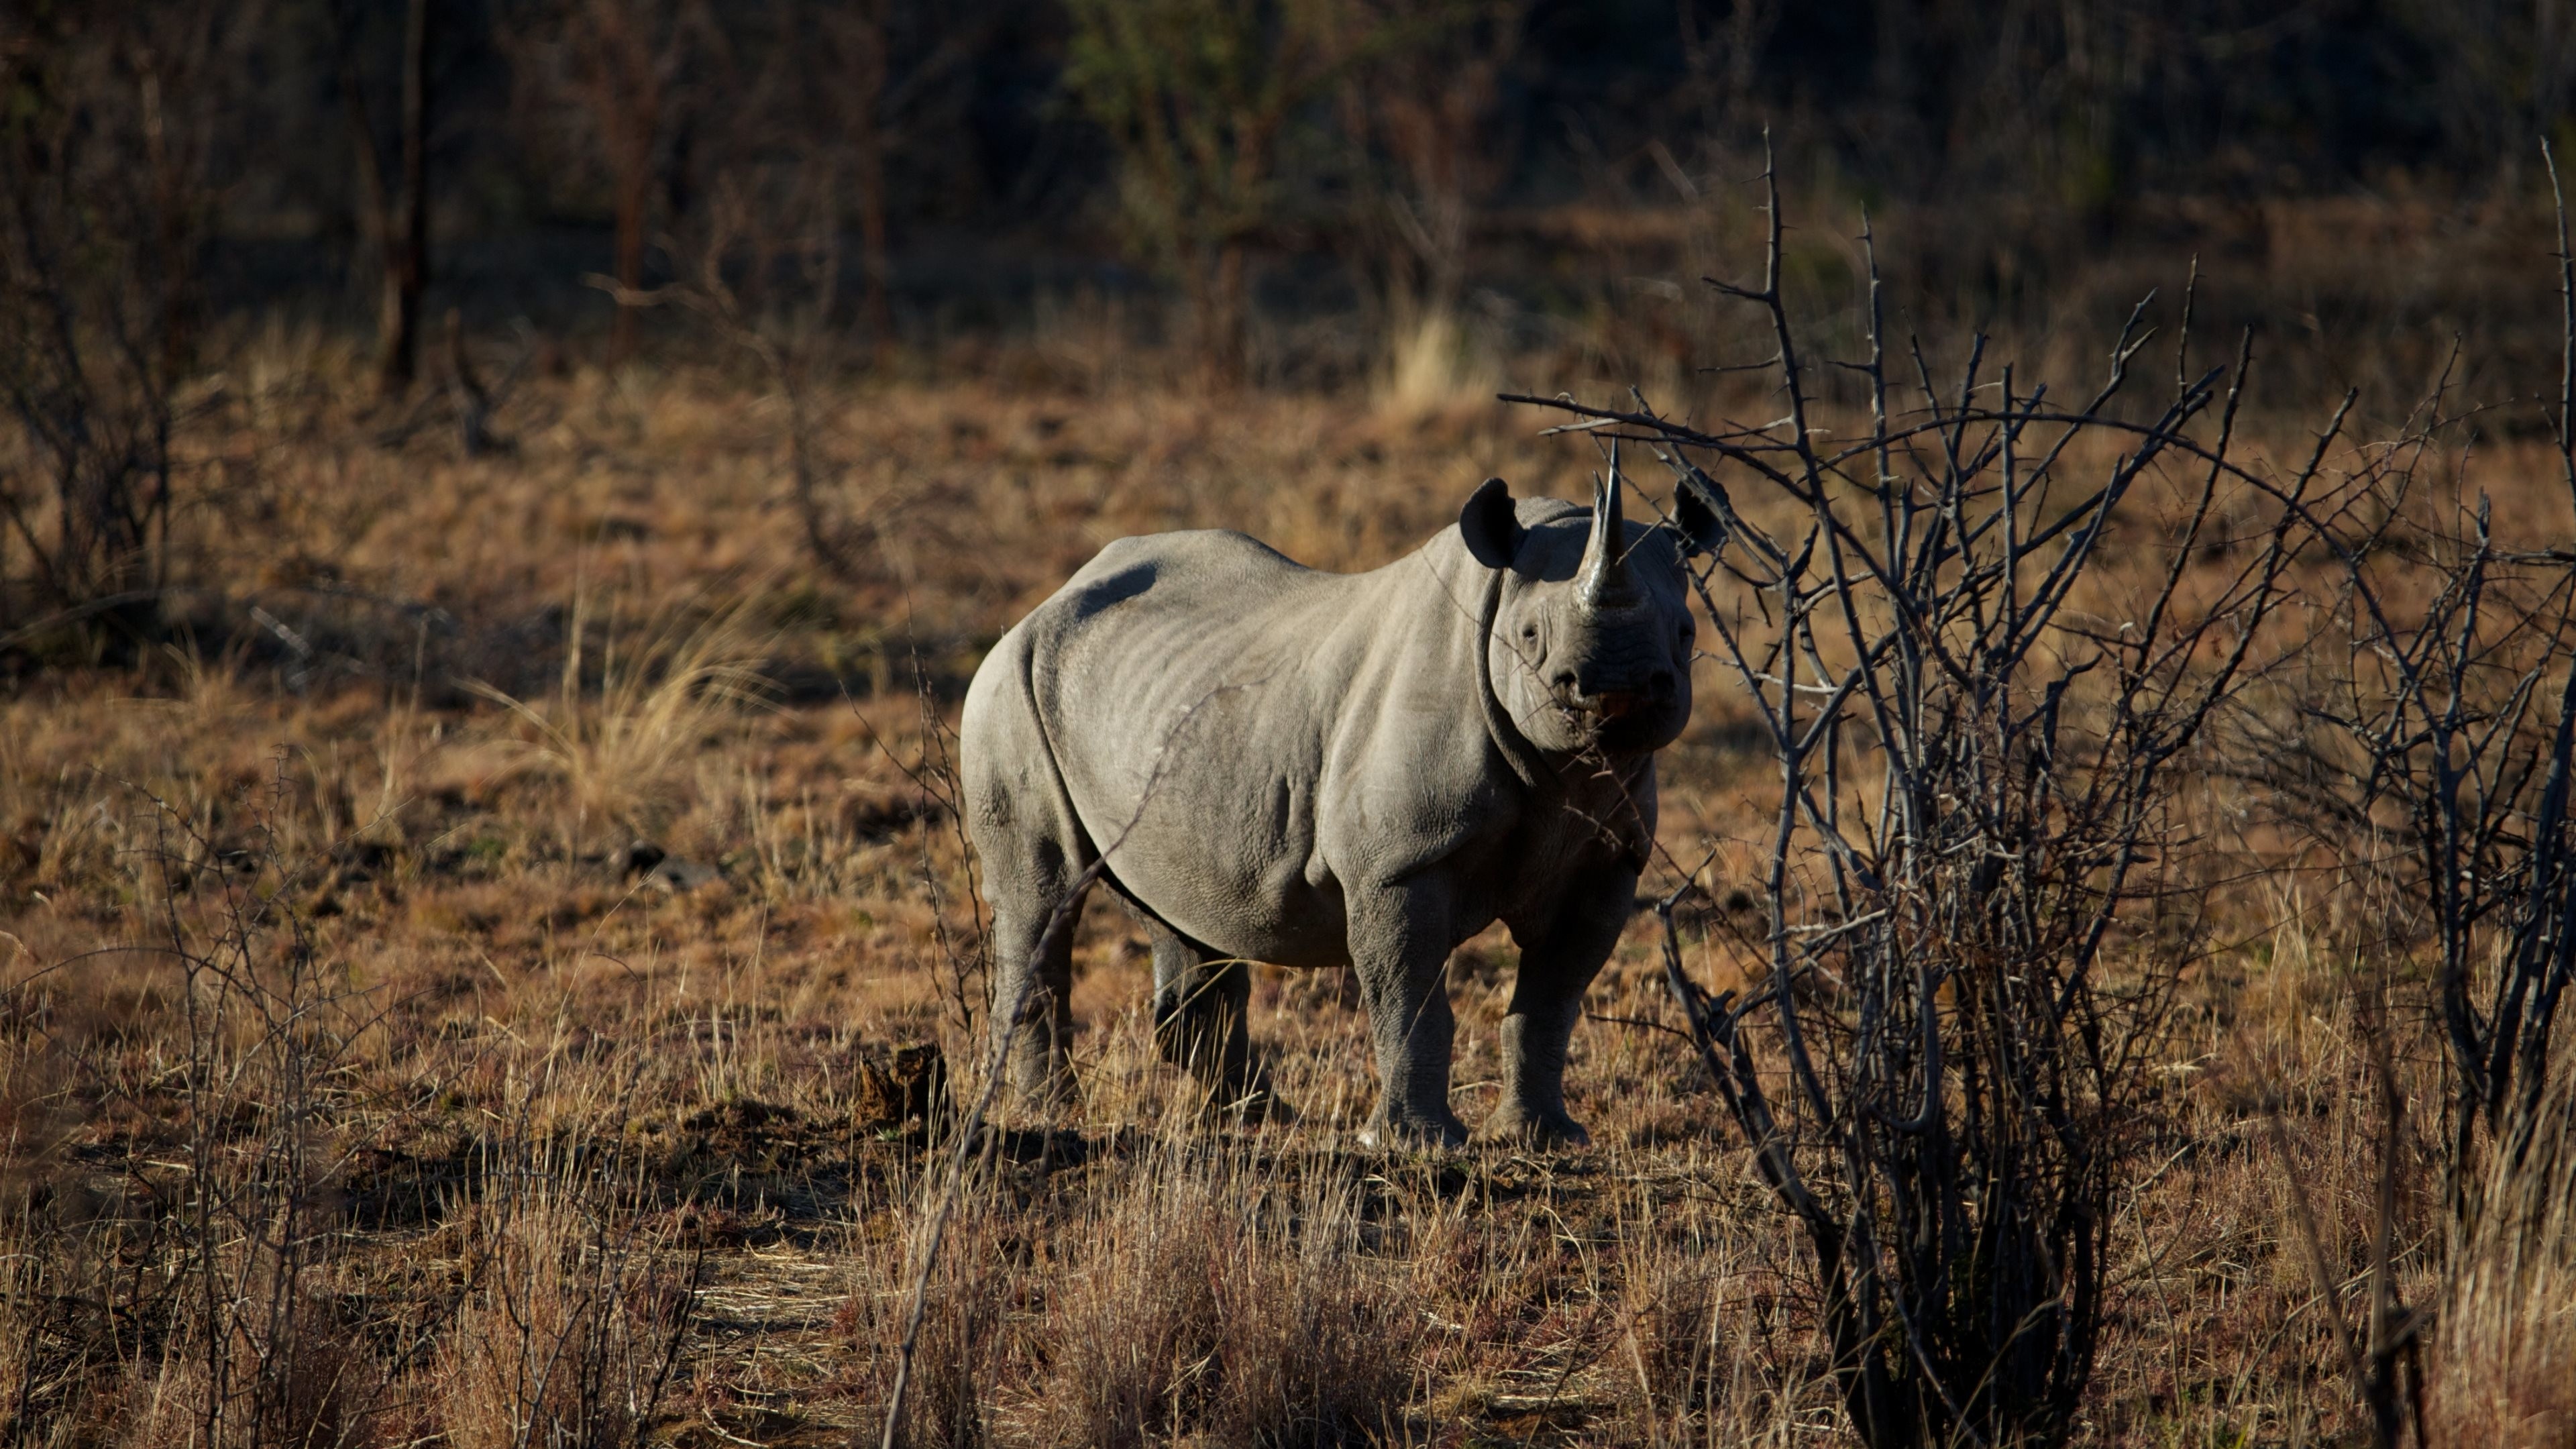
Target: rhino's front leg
[(1560, 954), (1400, 948)]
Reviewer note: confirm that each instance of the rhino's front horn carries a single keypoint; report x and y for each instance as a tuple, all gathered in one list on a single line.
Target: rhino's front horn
[(1603, 580)]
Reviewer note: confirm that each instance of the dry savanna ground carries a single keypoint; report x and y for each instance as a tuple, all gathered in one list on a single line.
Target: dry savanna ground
[(465, 992)]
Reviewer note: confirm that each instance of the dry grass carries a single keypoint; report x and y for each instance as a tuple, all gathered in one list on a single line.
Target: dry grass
[(2507, 1364), (615, 741), (557, 1094), (572, 1332)]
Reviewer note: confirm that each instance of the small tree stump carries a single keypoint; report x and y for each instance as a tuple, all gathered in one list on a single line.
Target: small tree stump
[(902, 1088)]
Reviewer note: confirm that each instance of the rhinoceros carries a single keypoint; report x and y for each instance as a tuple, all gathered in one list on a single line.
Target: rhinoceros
[(1316, 769)]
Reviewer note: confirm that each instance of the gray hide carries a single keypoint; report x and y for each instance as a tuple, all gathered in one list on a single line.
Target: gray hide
[(1319, 769)]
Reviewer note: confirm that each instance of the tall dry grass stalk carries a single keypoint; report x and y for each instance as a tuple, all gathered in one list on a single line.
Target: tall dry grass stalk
[(1686, 1322), (1203, 1299), (1434, 364), (963, 1356), (572, 1337), (615, 737), (2505, 1361), (1230, 1293)]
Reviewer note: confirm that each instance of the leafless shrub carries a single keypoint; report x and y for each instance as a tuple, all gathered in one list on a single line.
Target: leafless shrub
[(1940, 1072), (964, 958), (237, 1339), (572, 1336), (1421, 121), (2410, 745), (2425, 746), (43, 1371), (787, 342), (104, 198), (2434, 740), (203, 1300), (297, 1379), (473, 401), (1199, 98)]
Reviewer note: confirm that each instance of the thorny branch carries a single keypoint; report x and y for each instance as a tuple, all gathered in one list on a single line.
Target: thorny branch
[(1929, 1068)]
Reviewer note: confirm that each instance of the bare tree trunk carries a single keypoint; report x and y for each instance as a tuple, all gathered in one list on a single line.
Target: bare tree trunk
[(634, 183), (395, 215), (626, 71), (406, 229), (1221, 316), (868, 85)]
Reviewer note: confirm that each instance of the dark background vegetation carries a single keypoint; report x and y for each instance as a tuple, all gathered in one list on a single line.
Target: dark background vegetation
[(1524, 160), (1396, 199)]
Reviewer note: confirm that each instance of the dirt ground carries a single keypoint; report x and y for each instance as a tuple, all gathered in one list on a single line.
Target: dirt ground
[(532, 871)]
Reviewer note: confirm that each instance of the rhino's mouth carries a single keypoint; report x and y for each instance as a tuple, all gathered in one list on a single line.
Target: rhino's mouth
[(1613, 721), (1616, 705)]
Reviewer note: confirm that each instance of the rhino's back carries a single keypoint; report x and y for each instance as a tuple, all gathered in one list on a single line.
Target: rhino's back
[(1227, 717), (1150, 623)]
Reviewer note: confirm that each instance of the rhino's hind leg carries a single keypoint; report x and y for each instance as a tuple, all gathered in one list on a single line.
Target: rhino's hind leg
[(1034, 862), (1202, 1023), (1035, 856), (1029, 966)]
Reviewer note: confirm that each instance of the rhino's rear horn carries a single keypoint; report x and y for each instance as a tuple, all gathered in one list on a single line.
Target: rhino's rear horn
[(1603, 580)]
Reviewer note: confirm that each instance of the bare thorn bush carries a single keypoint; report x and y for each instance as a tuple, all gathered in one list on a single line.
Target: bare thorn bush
[(1968, 956), (106, 199)]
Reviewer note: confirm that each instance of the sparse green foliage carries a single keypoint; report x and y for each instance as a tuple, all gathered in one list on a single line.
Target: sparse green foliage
[(1200, 97)]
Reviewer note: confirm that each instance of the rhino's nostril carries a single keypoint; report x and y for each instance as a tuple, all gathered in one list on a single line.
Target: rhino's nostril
[(1564, 681), (1661, 685)]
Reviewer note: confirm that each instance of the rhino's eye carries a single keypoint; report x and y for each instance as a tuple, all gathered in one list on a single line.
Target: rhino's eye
[(1529, 633)]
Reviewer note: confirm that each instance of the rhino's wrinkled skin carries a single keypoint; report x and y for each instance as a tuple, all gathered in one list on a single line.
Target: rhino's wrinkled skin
[(1319, 769)]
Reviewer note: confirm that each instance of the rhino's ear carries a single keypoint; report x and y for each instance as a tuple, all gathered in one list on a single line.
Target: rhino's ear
[(1701, 528), (1492, 534)]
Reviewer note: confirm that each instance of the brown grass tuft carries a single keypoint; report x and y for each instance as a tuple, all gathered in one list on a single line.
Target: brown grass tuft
[(616, 741), (2505, 1361), (1198, 1299), (573, 1335)]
